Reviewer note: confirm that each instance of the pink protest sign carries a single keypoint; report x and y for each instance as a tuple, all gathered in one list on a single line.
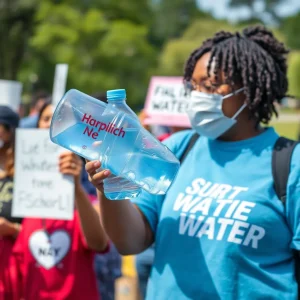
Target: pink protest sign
[(166, 102)]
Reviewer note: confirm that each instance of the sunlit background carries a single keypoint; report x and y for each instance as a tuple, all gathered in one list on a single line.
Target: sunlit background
[(122, 43)]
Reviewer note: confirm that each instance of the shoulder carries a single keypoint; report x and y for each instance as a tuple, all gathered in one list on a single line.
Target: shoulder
[(29, 122), (178, 140), (296, 156), (295, 166)]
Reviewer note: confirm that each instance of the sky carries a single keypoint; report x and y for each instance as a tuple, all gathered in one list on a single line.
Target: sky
[(220, 10)]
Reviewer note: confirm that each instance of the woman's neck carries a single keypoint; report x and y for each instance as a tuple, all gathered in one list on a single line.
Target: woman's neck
[(242, 132)]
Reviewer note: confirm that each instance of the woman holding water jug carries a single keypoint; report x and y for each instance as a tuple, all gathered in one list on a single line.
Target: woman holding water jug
[(221, 231)]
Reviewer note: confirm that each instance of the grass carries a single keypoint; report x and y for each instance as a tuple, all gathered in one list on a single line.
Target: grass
[(289, 130), (287, 110)]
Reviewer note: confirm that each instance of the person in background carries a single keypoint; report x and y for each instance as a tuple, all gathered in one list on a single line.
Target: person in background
[(221, 231), (108, 266), (161, 132), (71, 276), (9, 226), (36, 104), (22, 110)]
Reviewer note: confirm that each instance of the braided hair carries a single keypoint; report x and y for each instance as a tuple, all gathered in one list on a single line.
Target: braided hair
[(255, 59)]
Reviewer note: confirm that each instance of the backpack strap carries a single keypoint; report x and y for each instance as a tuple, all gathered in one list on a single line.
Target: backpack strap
[(189, 146), (281, 164)]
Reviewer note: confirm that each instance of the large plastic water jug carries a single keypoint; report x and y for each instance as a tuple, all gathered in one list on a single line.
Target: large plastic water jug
[(97, 131)]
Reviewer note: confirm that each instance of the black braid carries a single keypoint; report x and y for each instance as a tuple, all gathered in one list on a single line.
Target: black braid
[(255, 59)]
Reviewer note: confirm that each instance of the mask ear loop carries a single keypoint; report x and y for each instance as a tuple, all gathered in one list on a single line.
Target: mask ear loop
[(239, 111), (233, 93), (242, 107)]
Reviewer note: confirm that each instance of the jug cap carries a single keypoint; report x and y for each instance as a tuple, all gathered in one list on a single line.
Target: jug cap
[(116, 94)]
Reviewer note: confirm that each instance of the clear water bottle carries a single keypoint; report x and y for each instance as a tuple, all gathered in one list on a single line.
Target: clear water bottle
[(117, 187), (99, 131)]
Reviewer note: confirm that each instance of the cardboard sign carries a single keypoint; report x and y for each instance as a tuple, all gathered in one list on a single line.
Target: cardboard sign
[(166, 102), (10, 94), (60, 80), (40, 190)]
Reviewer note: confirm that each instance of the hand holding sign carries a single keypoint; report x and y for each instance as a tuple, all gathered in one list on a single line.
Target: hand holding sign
[(70, 164), (41, 190), (7, 228)]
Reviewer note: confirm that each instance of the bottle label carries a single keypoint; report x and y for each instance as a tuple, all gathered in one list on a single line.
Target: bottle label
[(97, 126)]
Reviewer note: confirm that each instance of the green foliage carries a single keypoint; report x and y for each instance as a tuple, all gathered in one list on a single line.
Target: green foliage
[(102, 54), (294, 73), (289, 130), (116, 44), (291, 28), (16, 24), (176, 51), (172, 17)]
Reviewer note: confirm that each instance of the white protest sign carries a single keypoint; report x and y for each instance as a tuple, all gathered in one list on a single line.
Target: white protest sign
[(167, 102), (10, 94), (60, 80), (40, 190)]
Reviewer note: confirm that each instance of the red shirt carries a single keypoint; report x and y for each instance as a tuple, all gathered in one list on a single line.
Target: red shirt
[(55, 261), (164, 136), (10, 283)]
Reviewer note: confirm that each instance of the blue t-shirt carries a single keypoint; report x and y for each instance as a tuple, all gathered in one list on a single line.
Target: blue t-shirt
[(220, 231), (29, 122)]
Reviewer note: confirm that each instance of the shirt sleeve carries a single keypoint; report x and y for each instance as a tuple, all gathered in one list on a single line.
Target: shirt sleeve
[(150, 205), (293, 199)]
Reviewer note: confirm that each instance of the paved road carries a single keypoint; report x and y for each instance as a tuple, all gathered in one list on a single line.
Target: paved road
[(287, 118)]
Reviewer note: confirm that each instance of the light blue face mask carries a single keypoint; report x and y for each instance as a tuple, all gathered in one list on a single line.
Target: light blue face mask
[(206, 114)]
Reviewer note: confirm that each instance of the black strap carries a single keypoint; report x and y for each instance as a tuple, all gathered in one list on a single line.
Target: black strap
[(281, 163), (189, 146)]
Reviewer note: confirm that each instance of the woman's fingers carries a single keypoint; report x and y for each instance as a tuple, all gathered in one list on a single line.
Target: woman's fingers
[(96, 178), (100, 176), (92, 166)]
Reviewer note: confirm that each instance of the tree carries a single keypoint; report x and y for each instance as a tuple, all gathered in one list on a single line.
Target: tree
[(291, 28), (102, 54), (171, 18), (176, 51), (294, 73), (268, 8), (17, 21)]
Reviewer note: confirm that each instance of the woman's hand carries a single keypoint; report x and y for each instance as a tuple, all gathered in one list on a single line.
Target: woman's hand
[(70, 164), (96, 178), (8, 228)]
